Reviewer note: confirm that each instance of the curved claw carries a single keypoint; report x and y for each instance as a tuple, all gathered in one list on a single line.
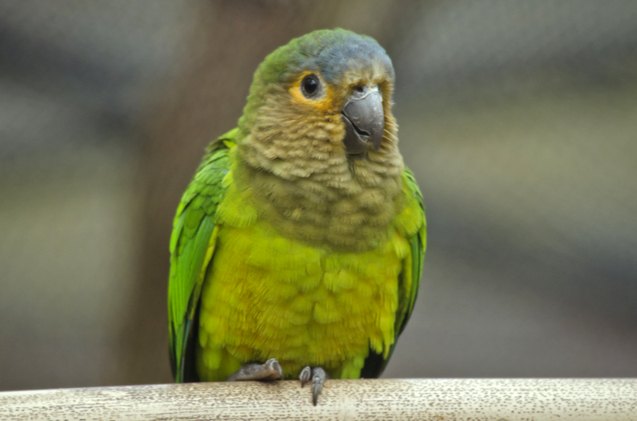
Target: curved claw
[(318, 376), (305, 375)]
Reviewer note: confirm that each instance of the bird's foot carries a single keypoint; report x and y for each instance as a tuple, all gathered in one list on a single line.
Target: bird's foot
[(269, 370), (317, 376)]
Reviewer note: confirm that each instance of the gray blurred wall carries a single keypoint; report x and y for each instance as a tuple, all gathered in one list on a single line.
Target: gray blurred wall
[(518, 118)]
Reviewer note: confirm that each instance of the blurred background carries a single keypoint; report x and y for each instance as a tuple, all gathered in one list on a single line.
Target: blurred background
[(518, 118)]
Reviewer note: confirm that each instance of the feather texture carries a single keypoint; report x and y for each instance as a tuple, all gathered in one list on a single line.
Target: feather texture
[(283, 246)]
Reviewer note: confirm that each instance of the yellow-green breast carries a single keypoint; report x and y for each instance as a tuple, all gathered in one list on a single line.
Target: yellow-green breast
[(276, 297), (269, 294)]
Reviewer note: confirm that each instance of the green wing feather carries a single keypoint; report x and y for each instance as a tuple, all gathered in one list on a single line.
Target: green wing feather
[(192, 245), (409, 280)]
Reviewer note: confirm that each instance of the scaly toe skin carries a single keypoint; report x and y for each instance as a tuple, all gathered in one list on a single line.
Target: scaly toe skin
[(273, 366), (270, 370), (317, 376), (318, 380)]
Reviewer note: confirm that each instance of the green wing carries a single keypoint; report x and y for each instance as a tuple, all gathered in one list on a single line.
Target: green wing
[(409, 280), (192, 245), (412, 269)]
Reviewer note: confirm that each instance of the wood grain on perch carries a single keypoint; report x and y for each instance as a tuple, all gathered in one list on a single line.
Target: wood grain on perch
[(384, 399)]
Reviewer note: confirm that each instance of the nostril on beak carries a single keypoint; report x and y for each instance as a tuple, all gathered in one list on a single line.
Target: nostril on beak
[(364, 120)]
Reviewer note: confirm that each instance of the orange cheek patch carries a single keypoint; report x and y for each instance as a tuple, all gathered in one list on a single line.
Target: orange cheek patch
[(324, 103)]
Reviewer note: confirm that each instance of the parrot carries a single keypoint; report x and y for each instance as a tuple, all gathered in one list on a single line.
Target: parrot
[(297, 248)]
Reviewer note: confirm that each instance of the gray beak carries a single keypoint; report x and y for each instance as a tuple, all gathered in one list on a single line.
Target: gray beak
[(364, 121)]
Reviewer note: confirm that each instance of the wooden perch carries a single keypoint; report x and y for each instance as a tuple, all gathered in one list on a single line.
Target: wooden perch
[(385, 399)]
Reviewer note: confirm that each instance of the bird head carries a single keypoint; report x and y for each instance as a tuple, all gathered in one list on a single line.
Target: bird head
[(323, 97)]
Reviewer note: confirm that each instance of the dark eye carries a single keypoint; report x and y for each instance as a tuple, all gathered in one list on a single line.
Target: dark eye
[(310, 86)]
